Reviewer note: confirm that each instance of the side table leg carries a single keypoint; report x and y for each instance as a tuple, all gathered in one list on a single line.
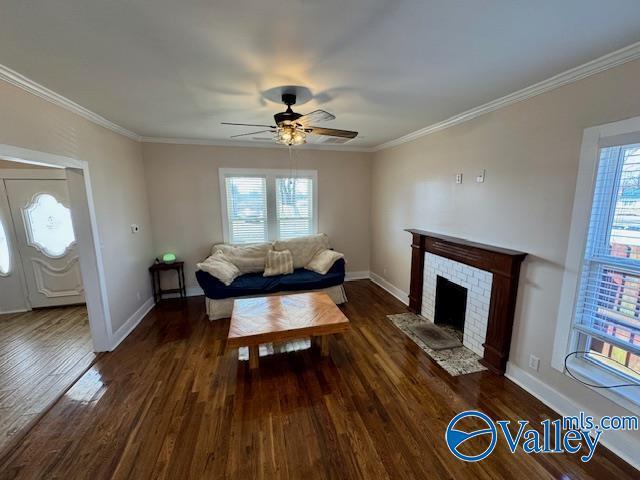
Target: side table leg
[(254, 357), (153, 284)]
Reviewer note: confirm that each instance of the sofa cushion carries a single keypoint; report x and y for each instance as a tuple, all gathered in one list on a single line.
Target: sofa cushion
[(254, 284), (278, 263), (219, 266), (303, 249), (248, 258), (323, 261)]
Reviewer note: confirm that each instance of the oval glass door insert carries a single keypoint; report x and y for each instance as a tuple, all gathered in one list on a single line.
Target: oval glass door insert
[(49, 226)]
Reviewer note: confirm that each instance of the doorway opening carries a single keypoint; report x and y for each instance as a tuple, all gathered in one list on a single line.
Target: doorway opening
[(53, 311)]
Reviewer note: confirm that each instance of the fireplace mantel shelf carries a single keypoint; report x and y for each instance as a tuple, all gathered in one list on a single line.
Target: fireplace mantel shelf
[(467, 243), (503, 263)]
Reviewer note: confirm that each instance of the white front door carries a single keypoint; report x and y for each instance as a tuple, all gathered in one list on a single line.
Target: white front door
[(46, 242)]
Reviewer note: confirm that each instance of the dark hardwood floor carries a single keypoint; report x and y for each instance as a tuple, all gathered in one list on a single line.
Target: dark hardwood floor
[(42, 353), (169, 403)]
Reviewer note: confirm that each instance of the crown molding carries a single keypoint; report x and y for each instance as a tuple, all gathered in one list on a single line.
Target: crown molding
[(624, 55), (28, 85), (237, 143)]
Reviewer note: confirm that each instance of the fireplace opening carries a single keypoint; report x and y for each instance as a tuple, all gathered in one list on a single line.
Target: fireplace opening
[(451, 303)]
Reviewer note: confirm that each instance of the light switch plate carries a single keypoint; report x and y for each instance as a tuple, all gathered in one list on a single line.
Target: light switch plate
[(458, 178), (480, 177)]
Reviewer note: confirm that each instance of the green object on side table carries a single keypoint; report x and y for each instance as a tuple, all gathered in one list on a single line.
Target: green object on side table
[(169, 257)]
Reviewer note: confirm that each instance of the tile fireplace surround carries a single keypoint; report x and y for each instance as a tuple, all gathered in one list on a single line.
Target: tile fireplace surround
[(478, 285), (502, 264)]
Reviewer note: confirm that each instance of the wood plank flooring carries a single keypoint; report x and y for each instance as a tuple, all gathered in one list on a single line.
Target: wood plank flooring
[(169, 403), (42, 353)]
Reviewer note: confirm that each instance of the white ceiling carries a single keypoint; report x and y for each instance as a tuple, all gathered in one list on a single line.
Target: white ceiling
[(177, 68)]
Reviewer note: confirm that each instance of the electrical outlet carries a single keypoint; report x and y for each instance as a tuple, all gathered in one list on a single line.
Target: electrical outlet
[(534, 362), (480, 177), (458, 178), (135, 228)]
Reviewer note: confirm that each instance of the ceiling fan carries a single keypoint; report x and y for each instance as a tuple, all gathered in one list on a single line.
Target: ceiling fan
[(292, 128)]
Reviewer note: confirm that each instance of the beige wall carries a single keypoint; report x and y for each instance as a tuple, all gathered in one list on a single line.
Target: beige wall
[(184, 197), (530, 151), (116, 169)]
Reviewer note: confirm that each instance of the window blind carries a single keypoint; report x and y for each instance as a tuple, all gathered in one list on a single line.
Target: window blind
[(247, 208), (294, 208), (608, 308)]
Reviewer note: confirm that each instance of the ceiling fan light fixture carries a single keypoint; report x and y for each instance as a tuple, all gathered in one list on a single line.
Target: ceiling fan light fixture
[(290, 135)]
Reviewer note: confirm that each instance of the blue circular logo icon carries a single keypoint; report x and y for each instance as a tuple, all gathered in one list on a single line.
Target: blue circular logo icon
[(455, 438)]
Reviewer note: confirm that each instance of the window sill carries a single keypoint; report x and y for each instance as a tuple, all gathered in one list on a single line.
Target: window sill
[(626, 397)]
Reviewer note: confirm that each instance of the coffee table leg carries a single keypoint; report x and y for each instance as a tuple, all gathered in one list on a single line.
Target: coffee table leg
[(324, 345), (254, 356)]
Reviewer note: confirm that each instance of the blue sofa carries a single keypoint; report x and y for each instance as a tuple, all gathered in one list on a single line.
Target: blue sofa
[(254, 284), (219, 297)]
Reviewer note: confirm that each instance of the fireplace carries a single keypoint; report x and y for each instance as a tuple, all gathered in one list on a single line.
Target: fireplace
[(451, 304), (503, 267)]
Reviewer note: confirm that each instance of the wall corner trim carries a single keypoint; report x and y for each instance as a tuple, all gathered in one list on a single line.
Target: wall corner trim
[(610, 60)]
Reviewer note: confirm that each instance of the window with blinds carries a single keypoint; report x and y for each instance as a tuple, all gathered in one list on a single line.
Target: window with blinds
[(265, 205), (607, 317), (294, 197), (246, 209)]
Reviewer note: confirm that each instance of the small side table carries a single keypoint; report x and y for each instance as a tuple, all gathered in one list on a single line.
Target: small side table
[(155, 270)]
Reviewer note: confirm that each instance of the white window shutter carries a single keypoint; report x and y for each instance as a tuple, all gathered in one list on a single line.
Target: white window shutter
[(294, 207), (246, 209)]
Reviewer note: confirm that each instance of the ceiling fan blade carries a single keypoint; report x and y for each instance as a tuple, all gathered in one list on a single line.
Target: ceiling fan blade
[(252, 133), (331, 132), (315, 117), (248, 125)]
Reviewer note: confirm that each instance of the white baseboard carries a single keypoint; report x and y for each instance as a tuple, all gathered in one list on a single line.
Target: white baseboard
[(389, 287), (19, 310), (131, 323), (194, 291), (350, 276), (625, 448)]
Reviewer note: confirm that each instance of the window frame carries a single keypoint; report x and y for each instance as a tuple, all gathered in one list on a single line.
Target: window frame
[(270, 175), (567, 339)]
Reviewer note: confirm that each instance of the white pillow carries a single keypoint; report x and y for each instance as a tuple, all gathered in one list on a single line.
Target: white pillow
[(248, 258), (303, 249), (323, 261), (220, 267), (278, 263)]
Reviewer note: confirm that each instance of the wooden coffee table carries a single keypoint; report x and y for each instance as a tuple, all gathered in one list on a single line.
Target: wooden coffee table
[(281, 318)]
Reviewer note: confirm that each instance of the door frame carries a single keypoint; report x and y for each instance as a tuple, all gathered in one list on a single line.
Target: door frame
[(85, 225)]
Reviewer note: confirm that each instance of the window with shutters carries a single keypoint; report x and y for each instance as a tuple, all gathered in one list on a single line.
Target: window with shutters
[(607, 313), (265, 205)]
